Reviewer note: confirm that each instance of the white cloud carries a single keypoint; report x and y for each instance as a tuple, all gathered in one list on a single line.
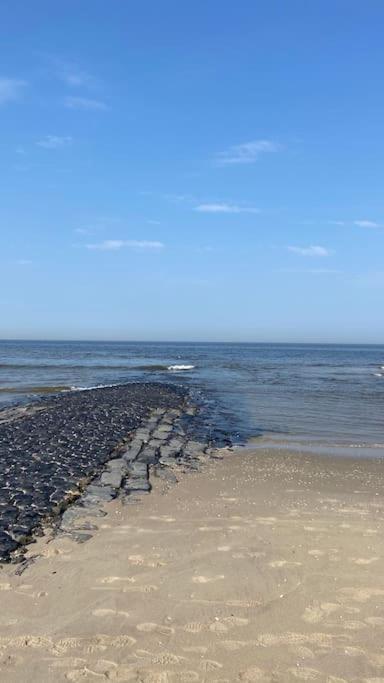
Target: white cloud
[(54, 141), (367, 224), (85, 103), (114, 245), (247, 152), (10, 89), (225, 208), (313, 250)]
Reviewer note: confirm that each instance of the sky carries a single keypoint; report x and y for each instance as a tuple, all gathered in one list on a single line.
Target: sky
[(206, 170)]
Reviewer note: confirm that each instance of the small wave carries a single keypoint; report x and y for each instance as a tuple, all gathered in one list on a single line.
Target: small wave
[(96, 386), (378, 374), (180, 368)]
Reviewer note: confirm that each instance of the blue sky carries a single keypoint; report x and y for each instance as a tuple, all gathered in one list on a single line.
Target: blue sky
[(192, 170)]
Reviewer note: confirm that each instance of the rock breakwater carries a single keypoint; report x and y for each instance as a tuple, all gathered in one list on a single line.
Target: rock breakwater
[(48, 455)]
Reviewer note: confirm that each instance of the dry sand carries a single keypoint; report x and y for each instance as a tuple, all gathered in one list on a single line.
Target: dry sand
[(265, 566)]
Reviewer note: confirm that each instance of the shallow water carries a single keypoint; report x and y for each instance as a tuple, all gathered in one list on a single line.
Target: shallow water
[(331, 394)]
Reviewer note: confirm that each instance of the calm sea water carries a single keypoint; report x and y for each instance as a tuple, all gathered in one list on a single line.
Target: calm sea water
[(326, 395)]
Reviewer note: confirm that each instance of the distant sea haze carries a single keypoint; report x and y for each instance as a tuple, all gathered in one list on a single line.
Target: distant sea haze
[(330, 394)]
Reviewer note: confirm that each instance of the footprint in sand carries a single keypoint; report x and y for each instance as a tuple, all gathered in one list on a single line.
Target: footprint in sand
[(315, 552), (235, 621), (253, 673), (83, 674), (243, 603), (303, 673), (235, 645), (210, 665), (141, 561), (168, 658), (207, 579), (363, 561), (150, 627), (114, 579), (283, 563), (247, 554), (266, 521), (126, 589), (109, 613), (194, 627), (316, 612), (140, 589), (153, 676)]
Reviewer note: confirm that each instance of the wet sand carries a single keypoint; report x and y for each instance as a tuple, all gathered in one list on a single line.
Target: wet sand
[(263, 566)]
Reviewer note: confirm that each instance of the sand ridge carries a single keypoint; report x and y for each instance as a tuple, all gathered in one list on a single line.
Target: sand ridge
[(265, 566)]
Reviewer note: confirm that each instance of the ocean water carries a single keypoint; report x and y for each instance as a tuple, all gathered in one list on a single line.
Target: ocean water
[(324, 396)]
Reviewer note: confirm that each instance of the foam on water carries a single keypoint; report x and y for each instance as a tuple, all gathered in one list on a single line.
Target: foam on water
[(180, 368)]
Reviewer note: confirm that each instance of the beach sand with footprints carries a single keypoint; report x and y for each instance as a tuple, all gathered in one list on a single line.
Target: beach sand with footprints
[(262, 566)]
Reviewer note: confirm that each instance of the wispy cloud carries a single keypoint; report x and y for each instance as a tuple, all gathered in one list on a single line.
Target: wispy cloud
[(85, 103), (312, 250), (367, 224), (246, 153), (225, 208), (54, 141), (11, 89), (23, 262), (114, 245), (73, 75), (363, 223)]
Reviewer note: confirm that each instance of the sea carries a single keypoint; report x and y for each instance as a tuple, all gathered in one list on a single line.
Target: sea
[(313, 397)]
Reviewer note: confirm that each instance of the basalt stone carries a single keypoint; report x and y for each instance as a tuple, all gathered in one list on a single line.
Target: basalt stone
[(112, 479), (148, 455), (7, 545), (52, 449), (138, 470), (133, 451), (137, 485)]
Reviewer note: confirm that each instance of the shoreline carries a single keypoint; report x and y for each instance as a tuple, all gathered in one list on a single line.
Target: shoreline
[(260, 567)]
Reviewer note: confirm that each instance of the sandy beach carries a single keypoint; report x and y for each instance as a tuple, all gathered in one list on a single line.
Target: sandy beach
[(263, 566)]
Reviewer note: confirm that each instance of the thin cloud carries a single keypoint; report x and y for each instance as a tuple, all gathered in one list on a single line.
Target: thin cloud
[(74, 76), (11, 89), (225, 208), (85, 103), (114, 245), (54, 141), (367, 224), (312, 250), (23, 262), (246, 153)]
